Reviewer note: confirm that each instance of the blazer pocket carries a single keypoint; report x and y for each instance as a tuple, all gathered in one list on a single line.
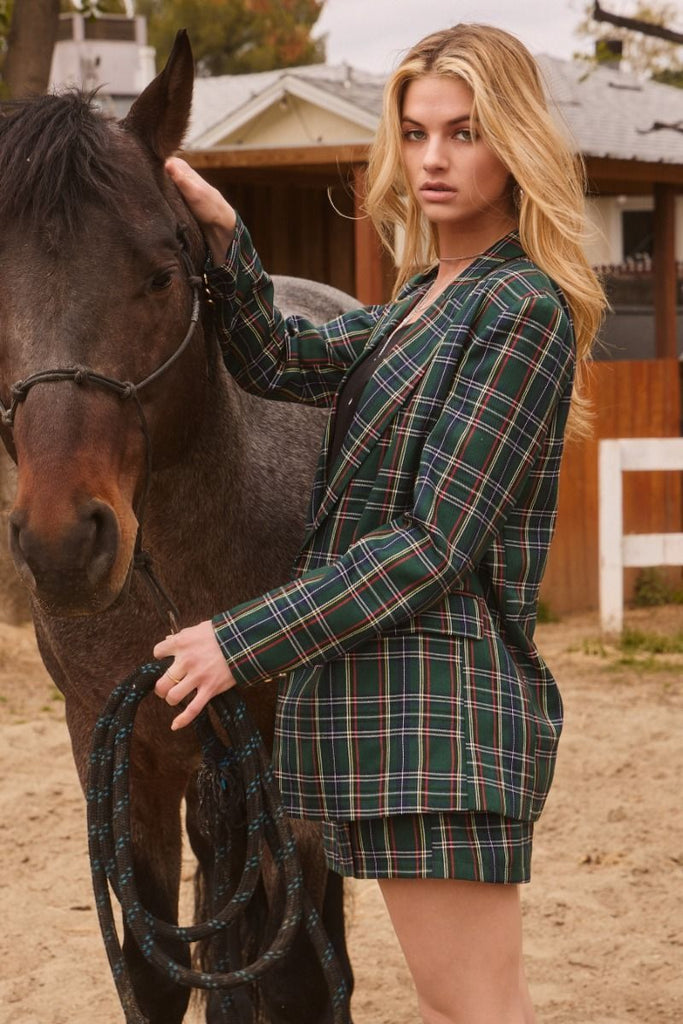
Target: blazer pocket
[(460, 614)]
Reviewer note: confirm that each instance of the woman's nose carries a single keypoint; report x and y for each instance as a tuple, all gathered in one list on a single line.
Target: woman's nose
[(434, 155)]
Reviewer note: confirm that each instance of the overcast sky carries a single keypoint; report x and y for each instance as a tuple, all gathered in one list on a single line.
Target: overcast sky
[(372, 34)]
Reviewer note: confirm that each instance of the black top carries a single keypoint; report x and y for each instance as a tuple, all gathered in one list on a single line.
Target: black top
[(352, 390)]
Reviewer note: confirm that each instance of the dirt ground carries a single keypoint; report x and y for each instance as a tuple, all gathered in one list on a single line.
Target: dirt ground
[(603, 915)]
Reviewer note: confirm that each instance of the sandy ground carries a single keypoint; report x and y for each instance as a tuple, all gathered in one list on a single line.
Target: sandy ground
[(603, 915)]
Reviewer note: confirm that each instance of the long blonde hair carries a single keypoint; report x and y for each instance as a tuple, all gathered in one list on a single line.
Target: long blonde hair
[(510, 112)]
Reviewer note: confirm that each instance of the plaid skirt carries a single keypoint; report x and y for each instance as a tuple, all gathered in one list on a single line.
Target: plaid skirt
[(470, 845)]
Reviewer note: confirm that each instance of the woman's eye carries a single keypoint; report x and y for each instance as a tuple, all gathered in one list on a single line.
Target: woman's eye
[(464, 135), (414, 135), (162, 280)]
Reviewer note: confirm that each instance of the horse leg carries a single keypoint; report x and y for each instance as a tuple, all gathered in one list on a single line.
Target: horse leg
[(226, 950), (296, 991), (156, 836)]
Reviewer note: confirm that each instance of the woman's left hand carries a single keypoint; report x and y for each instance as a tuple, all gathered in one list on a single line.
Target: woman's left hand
[(198, 665)]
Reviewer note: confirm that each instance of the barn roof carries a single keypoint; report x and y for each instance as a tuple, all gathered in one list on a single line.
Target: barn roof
[(610, 113)]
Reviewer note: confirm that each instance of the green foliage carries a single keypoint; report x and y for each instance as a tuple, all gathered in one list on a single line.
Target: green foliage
[(544, 613), (237, 36), (653, 588), (642, 54), (670, 77), (637, 640), (5, 19)]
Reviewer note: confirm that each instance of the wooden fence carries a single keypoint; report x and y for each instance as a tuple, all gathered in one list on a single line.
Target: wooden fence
[(630, 399)]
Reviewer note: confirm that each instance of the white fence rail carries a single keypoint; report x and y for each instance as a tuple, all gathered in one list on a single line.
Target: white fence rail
[(618, 550)]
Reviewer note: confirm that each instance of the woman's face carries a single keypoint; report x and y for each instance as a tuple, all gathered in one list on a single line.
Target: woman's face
[(460, 184)]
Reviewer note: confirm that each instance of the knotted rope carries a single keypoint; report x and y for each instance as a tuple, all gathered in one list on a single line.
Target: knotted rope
[(111, 855)]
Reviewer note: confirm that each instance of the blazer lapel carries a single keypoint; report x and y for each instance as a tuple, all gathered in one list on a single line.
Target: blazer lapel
[(393, 315), (393, 382), (399, 373)]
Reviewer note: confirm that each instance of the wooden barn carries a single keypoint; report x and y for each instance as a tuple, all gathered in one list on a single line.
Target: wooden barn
[(290, 147)]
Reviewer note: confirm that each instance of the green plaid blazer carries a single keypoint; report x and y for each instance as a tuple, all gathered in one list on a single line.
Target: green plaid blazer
[(403, 646)]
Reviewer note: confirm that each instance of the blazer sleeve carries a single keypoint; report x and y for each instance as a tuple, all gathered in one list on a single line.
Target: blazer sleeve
[(289, 359), (474, 462)]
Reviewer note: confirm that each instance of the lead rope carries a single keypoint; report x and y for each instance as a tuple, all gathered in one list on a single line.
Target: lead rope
[(111, 854)]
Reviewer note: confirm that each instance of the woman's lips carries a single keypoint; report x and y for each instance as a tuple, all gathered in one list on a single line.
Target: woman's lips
[(436, 192)]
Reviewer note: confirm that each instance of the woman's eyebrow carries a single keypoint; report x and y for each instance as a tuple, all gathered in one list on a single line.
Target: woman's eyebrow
[(453, 120)]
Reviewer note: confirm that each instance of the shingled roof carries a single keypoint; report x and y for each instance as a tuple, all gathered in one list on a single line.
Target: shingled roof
[(607, 112), (613, 114)]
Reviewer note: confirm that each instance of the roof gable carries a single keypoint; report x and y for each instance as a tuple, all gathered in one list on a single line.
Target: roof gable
[(305, 105)]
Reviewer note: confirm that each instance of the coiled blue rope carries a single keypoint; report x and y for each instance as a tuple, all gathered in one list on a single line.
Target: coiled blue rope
[(111, 852)]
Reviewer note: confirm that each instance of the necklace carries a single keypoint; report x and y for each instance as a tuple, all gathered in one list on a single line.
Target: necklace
[(458, 259), (424, 302)]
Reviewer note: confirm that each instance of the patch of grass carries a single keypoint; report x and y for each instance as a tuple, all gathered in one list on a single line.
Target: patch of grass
[(653, 588), (634, 640), (594, 647), (544, 613), (647, 663)]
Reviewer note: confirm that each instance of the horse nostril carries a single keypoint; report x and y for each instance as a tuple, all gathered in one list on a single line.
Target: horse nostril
[(16, 523), (103, 540)]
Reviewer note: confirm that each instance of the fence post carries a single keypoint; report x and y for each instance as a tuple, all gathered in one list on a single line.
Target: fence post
[(610, 529)]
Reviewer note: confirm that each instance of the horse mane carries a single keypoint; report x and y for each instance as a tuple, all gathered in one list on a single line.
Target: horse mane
[(57, 154)]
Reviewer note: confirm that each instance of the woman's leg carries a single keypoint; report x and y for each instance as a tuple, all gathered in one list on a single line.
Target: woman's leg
[(463, 944)]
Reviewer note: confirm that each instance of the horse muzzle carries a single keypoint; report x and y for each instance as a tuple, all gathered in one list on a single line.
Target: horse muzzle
[(72, 566)]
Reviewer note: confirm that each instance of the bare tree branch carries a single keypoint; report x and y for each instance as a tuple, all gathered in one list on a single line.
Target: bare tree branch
[(647, 28)]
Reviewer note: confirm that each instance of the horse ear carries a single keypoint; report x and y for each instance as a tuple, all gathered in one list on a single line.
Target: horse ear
[(160, 114)]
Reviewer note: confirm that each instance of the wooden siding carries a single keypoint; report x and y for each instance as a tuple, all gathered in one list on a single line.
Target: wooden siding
[(630, 399), (294, 225)]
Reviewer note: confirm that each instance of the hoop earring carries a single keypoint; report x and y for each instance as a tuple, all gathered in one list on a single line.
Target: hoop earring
[(517, 196)]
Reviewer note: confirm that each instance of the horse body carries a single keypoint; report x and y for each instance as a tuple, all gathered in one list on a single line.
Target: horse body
[(92, 275)]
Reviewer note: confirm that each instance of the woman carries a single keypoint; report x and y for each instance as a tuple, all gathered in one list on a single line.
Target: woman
[(416, 718)]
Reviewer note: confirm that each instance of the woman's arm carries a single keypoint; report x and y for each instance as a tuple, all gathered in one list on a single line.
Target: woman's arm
[(474, 462), (268, 354)]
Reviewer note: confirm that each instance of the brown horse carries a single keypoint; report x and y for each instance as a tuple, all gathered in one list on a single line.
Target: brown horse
[(94, 282)]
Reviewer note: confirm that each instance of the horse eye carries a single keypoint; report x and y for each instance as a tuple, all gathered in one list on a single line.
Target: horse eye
[(161, 280)]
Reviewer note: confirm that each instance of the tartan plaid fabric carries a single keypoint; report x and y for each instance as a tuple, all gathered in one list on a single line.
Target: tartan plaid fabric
[(471, 845), (413, 681)]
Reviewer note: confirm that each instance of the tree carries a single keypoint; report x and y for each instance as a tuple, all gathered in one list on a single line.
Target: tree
[(237, 36), (228, 36), (649, 47), (31, 31)]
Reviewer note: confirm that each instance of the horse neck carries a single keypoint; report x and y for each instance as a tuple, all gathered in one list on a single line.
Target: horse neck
[(189, 515)]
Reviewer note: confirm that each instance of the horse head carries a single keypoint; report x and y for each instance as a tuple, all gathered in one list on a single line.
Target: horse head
[(101, 370)]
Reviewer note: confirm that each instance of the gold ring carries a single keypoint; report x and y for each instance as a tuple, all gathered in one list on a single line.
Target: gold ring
[(174, 678)]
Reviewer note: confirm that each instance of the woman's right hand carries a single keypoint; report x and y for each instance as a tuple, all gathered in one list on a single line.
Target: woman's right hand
[(214, 213)]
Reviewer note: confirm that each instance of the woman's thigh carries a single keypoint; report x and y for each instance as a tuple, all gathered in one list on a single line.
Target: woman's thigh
[(463, 945)]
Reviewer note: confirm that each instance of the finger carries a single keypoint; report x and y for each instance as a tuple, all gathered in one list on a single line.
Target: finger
[(164, 648), (179, 690), (188, 714), (177, 168), (173, 675)]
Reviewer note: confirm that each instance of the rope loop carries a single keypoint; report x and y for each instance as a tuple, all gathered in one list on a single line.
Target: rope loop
[(81, 375), (242, 761), (18, 391), (128, 390)]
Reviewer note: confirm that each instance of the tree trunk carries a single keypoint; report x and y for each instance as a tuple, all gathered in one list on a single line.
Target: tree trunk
[(31, 39)]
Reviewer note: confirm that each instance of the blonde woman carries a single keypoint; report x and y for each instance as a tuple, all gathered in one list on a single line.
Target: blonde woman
[(416, 718)]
